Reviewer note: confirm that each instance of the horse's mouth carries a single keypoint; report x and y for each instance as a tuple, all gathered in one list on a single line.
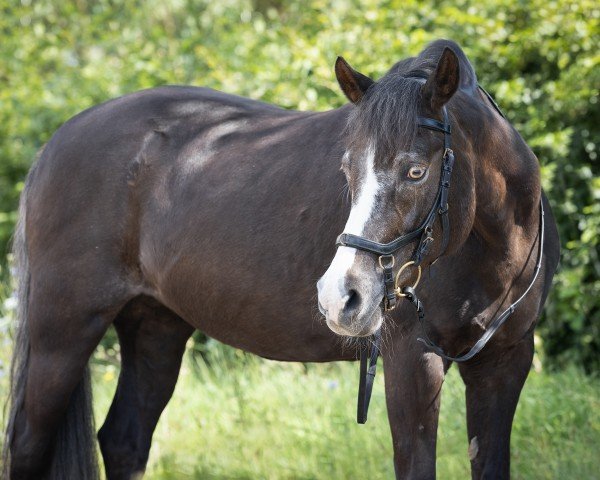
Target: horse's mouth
[(321, 309), (357, 328)]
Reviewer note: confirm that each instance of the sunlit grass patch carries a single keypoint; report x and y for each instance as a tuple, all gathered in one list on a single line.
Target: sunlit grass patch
[(247, 418)]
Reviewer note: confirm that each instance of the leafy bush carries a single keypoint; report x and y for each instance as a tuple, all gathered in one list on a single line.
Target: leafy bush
[(538, 58)]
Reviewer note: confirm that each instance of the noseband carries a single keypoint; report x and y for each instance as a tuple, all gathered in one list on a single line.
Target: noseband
[(424, 233)]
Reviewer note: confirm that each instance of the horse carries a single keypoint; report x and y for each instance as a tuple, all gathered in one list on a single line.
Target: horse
[(182, 208)]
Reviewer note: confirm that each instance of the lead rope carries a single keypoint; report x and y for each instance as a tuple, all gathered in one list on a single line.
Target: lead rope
[(368, 360), (368, 368), (411, 295)]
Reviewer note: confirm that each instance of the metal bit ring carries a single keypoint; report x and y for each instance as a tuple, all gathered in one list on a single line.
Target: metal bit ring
[(397, 289)]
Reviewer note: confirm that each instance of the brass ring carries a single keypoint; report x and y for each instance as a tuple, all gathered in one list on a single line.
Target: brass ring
[(397, 289)]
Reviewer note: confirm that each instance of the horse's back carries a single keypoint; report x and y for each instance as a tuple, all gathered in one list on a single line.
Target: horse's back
[(84, 178)]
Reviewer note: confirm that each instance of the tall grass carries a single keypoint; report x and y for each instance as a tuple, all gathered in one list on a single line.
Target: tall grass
[(242, 417), (247, 418)]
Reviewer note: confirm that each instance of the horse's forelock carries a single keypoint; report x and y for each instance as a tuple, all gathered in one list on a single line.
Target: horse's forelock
[(387, 116)]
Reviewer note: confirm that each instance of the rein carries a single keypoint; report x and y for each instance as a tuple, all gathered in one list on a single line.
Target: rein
[(424, 235)]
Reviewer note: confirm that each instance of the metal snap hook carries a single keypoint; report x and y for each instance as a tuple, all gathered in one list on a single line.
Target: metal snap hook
[(397, 289)]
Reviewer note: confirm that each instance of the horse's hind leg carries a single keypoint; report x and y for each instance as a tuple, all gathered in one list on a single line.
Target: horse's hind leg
[(152, 340), (493, 384), (64, 324)]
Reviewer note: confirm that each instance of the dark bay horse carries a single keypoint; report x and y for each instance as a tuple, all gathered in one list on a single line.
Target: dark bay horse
[(182, 208)]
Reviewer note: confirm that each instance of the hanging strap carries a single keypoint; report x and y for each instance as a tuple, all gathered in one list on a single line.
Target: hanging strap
[(368, 368)]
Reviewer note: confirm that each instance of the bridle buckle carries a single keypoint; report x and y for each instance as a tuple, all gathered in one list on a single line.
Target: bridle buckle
[(390, 258)]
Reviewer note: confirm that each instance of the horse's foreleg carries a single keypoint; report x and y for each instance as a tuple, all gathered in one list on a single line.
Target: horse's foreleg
[(413, 384), (152, 344), (493, 384)]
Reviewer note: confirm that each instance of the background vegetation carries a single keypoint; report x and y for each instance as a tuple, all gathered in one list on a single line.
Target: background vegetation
[(538, 58)]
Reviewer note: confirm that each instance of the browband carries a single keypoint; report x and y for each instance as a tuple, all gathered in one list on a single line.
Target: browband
[(432, 124)]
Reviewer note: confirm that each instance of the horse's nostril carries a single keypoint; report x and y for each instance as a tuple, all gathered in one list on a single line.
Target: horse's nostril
[(352, 300)]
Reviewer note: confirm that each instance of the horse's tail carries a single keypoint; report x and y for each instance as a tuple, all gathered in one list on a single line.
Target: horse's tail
[(74, 450)]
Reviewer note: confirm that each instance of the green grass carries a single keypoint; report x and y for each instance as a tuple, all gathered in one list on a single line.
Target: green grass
[(247, 418)]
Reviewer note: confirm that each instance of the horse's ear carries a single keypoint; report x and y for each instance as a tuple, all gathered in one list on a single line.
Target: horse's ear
[(443, 82), (354, 84)]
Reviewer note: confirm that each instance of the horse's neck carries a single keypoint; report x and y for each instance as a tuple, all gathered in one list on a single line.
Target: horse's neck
[(507, 184)]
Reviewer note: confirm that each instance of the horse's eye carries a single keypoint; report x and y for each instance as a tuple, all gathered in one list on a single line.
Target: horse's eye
[(416, 172)]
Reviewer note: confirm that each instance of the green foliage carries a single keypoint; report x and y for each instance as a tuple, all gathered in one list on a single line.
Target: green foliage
[(538, 58), (247, 418)]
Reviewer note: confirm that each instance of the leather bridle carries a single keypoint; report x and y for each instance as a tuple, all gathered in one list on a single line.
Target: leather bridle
[(424, 235)]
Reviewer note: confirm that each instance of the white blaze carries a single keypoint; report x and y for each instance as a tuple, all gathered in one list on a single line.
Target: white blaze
[(332, 293)]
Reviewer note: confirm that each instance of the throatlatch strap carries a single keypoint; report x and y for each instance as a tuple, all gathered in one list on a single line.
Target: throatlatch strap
[(368, 368), (448, 163)]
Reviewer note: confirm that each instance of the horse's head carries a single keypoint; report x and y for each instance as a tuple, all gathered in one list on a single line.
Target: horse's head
[(393, 169)]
